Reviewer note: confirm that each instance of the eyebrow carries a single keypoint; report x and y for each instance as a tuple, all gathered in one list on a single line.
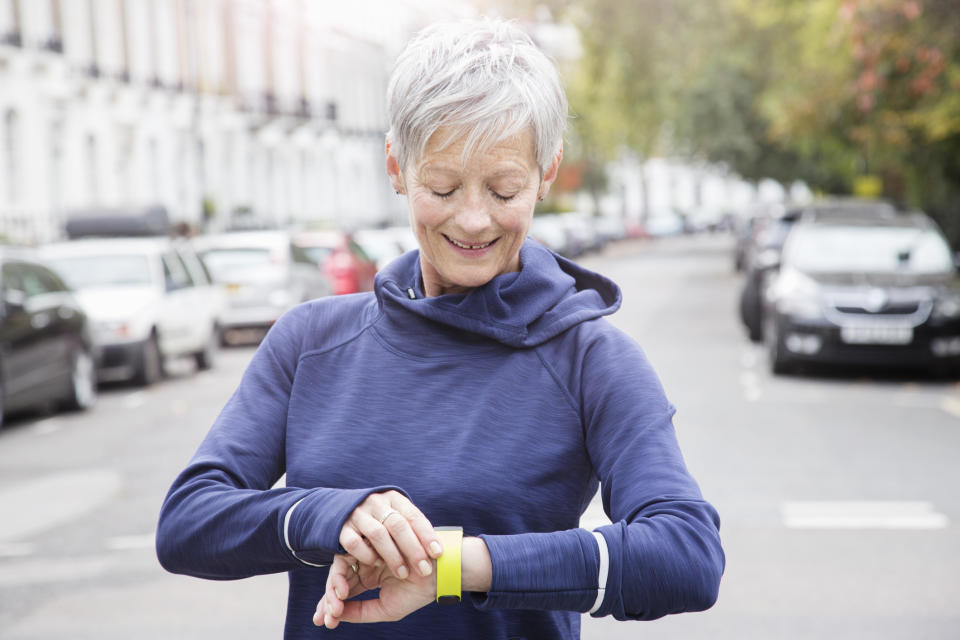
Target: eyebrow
[(430, 171)]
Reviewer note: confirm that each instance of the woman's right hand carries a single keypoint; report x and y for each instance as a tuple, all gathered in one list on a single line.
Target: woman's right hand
[(387, 529)]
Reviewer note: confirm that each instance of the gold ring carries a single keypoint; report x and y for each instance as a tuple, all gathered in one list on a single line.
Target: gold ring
[(388, 514), (355, 567)]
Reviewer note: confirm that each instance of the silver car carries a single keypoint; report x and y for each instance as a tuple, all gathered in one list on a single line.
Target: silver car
[(261, 278)]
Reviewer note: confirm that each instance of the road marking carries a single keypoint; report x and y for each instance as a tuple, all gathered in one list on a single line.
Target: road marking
[(134, 400), (951, 405), (127, 543), (751, 386), (45, 502), (47, 426), (861, 515)]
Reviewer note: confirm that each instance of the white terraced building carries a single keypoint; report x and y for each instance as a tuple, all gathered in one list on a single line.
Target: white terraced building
[(207, 107)]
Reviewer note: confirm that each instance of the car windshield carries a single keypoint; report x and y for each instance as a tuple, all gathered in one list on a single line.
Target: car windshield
[(865, 249), (227, 264), (90, 272), (315, 254)]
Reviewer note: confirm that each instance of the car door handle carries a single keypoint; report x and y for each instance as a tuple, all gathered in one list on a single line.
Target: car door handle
[(40, 320)]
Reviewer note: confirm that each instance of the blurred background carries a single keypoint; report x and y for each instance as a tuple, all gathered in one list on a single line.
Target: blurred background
[(775, 184)]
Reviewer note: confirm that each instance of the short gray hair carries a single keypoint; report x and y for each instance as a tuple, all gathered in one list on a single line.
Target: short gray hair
[(483, 79)]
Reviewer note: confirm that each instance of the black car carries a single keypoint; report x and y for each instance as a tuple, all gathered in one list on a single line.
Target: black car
[(762, 252), (47, 355), (865, 292)]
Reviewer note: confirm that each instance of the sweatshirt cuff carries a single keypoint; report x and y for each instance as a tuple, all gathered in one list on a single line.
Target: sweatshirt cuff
[(546, 571), (311, 527)]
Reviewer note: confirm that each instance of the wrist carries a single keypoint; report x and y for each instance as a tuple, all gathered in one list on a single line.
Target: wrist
[(476, 568)]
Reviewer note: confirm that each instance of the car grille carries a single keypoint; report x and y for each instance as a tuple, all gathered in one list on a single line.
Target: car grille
[(893, 309), (893, 312)]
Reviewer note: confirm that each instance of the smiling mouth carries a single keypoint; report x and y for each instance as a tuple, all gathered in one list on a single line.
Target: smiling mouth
[(473, 247)]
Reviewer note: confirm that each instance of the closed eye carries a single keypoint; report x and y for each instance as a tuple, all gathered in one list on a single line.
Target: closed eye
[(444, 195), (502, 198)]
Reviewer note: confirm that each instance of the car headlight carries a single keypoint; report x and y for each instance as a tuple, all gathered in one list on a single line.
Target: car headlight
[(947, 305), (797, 294)]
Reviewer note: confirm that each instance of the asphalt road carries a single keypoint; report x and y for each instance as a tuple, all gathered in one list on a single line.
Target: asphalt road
[(838, 491)]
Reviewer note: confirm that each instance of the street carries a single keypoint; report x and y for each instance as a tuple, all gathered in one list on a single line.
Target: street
[(837, 492)]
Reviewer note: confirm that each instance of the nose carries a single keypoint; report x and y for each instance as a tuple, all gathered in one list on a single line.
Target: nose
[(474, 216)]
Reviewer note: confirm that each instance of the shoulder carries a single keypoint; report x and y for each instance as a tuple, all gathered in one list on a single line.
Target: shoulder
[(323, 323), (596, 359)]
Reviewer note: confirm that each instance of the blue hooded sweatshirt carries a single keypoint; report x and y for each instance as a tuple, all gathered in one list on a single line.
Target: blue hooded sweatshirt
[(499, 410)]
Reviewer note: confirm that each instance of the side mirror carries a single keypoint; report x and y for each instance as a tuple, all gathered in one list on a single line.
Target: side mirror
[(768, 260)]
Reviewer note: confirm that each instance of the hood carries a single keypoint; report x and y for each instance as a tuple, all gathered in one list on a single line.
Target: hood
[(547, 296), (107, 304)]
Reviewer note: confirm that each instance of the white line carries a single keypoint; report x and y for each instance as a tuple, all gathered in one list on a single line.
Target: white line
[(134, 400), (125, 543), (951, 405), (47, 426), (862, 515)]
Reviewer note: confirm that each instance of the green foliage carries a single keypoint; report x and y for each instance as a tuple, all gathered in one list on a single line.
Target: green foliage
[(818, 90)]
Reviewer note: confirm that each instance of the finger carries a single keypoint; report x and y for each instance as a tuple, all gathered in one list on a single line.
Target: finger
[(421, 526), (351, 539), (408, 543), (380, 538), (365, 611), (318, 615)]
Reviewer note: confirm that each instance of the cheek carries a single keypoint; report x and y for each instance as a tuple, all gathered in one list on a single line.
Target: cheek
[(516, 219), (425, 211)]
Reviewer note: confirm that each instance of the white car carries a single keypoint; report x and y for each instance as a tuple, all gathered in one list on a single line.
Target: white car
[(150, 300)]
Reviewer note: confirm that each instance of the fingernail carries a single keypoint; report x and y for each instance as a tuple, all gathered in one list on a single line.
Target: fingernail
[(435, 548), (339, 593), (425, 568), (402, 572)]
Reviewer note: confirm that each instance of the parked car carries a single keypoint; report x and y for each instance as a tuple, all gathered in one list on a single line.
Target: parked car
[(343, 262), (261, 275), (762, 251), (47, 352), (864, 291), (550, 231), (150, 299), (380, 245)]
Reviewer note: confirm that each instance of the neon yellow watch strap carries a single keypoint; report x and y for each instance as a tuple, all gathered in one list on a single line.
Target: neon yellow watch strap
[(448, 564)]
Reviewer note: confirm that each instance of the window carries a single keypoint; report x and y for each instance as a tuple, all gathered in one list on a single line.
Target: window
[(38, 281), (11, 152), (174, 273)]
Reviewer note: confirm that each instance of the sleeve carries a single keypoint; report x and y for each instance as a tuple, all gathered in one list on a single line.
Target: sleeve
[(664, 551), (221, 519)]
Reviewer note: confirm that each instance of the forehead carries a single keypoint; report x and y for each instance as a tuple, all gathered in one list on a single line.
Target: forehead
[(446, 153)]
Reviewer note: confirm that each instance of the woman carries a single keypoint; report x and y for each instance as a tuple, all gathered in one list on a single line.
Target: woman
[(478, 387)]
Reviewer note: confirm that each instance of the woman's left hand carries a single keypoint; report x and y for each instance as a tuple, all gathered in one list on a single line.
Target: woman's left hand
[(398, 598)]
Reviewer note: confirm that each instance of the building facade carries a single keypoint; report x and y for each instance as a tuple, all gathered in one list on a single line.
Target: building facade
[(226, 112)]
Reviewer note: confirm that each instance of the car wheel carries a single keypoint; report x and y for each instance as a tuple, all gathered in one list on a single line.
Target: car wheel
[(83, 382), (151, 363), (780, 362), (206, 356)]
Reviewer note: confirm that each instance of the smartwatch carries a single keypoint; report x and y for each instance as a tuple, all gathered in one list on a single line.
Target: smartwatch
[(448, 565)]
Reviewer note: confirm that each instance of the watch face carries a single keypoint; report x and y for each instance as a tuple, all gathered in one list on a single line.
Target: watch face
[(448, 600)]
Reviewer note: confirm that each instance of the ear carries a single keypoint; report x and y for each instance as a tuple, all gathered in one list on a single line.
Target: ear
[(550, 175), (393, 171)]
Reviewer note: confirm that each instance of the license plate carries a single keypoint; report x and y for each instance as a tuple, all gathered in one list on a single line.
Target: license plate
[(876, 334)]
